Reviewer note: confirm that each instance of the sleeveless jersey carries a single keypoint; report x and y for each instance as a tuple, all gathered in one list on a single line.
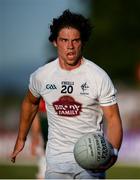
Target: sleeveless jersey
[(73, 99)]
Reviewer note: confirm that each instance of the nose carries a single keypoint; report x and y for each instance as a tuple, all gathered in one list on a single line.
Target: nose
[(70, 45)]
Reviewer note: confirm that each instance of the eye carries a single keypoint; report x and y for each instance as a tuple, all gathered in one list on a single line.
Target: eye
[(64, 40), (76, 40)]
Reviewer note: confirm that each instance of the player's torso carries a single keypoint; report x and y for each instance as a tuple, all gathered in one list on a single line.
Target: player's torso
[(69, 93), (72, 108), (71, 101)]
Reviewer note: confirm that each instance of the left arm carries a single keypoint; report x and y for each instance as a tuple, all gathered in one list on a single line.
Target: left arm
[(114, 130)]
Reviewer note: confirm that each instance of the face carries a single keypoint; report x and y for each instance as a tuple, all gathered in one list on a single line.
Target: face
[(69, 47)]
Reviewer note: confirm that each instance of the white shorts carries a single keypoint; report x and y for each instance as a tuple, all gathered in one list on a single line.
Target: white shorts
[(81, 175), (41, 167)]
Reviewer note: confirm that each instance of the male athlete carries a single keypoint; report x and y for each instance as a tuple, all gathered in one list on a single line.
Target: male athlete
[(77, 94)]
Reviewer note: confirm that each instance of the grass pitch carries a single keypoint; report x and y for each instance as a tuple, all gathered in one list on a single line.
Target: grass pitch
[(123, 172), (17, 171), (28, 172)]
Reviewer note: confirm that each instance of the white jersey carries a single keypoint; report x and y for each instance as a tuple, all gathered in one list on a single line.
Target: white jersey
[(73, 99)]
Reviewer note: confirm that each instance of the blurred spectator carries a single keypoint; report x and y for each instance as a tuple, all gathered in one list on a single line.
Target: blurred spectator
[(39, 134)]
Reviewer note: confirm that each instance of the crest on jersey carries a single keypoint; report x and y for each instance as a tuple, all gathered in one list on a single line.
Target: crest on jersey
[(67, 106), (84, 88)]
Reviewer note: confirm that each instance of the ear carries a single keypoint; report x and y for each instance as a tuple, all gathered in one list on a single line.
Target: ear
[(54, 43)]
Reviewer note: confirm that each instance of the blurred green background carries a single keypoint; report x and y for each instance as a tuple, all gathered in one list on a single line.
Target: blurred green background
[(28, 172), (115, 42)]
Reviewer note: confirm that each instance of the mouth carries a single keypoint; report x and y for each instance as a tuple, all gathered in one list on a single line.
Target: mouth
[(70, 55)]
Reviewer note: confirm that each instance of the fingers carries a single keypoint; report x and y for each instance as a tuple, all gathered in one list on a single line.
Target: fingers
[(13, 156), (13, 159), (18, 148), (106, 166)]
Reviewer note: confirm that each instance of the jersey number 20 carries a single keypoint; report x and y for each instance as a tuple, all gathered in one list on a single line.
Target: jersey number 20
[(67, 89)]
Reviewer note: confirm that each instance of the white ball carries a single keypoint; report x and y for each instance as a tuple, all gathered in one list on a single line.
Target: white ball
[(92, 151)]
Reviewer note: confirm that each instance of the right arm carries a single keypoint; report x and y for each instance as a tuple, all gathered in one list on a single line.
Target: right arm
[(29, 108)]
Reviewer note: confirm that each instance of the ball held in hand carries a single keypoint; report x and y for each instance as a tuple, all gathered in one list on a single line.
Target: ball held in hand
[(93, 151)]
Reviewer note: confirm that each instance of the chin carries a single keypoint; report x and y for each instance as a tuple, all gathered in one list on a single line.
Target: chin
[(71, 63)]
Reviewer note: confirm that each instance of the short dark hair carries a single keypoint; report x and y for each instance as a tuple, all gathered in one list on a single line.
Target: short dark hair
[(69, 19)]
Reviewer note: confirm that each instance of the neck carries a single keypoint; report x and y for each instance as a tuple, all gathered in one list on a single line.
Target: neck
[(70, 67)]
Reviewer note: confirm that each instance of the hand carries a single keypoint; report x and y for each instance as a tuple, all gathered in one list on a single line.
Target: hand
[(107, 166), (17, 149)]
